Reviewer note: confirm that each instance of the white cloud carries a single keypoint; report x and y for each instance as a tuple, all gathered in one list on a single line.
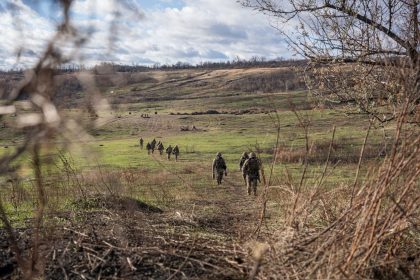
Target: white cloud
[(24, 32), (201, 30)]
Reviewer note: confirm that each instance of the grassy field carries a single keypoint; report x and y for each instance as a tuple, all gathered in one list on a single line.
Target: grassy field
[(244, 122), (112, 207)]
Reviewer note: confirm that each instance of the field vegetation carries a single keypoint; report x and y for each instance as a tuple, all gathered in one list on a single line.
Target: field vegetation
[(107, 173), (339, 189)]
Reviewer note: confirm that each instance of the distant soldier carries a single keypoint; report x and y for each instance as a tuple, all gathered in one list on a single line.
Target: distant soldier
[(176, 152), (251, 169), (244, 157), (149, 148), (219, 168), (141, 143), (153, 145), (160, 148), (169, 151)]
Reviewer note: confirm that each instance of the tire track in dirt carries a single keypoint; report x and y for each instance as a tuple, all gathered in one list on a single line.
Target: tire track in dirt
[(235, 214)]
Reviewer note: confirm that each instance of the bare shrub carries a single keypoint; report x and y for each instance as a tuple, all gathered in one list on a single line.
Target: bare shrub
[(41, 124), (344, 151), (367, 230), (363, 54)]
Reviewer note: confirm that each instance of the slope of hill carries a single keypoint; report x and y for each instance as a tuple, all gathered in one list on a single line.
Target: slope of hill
[(158, 85)]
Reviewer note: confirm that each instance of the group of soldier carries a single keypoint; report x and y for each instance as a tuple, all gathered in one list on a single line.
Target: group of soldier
[(249, 164), (158, 145)]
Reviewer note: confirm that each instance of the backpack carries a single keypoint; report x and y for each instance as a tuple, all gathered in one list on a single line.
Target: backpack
[(242, 161), (220, 163)]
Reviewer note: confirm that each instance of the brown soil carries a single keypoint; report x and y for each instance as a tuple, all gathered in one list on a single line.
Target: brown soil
[(121, 238)]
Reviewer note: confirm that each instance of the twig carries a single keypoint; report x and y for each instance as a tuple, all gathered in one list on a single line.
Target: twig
[(360, 163), (182, 264)]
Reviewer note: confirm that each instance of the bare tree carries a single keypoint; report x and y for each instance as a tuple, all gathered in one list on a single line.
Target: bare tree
[(363, 52)]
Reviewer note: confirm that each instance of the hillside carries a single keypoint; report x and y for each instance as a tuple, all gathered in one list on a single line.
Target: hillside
[(154, 85), (116, 211)]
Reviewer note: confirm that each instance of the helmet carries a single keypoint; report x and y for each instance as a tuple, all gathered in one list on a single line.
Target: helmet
[(219, 154), (252, 155)]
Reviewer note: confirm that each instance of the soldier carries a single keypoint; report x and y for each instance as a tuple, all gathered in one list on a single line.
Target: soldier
[(141, 143), (169, 151), (251, 169), (244, 157), (176, 152), (160, 148), (219, 167), (153, 145), (149, 148)]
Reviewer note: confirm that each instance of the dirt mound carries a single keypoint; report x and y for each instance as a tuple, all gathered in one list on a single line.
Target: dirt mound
[(115, 203), (113, 245)]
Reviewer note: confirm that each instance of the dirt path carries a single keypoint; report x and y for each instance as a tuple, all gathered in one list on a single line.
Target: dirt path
[(235, 214)]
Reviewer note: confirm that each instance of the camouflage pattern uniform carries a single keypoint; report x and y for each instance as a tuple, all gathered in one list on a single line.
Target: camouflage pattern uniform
[(251, 169), (176, 152), (153, 145), (244, 157), (169, 151), (219, 168), (141, 143), (149, 148), (160, 148)]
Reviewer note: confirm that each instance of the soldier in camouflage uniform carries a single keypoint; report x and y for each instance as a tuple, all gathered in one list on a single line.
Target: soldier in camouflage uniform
[(169, 151), (244, 157), (219, 168), (153, 145), (160, 148), (149, 148), (176, 152), (251, 169), (141, 142)]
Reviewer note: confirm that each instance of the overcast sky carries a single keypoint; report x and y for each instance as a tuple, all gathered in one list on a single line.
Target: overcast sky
[(147, 31)]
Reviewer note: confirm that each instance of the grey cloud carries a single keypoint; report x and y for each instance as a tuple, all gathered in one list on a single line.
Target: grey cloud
[(121, 50), (29, 53), (100, 57), (145, 60), (226, 31), (212, 54), (189, 53)]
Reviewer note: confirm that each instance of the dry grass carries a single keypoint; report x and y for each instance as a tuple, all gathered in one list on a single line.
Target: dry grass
[(369, 233), (343, 151)]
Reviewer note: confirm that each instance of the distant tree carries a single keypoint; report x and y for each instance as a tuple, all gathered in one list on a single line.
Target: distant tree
[(363, 52)]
